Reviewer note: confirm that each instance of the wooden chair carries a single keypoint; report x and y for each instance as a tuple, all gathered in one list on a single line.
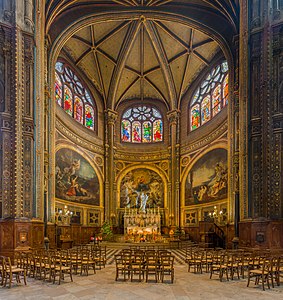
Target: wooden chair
[(196, 261), (167, 267), (233, 266), (10, 271), (261, 274), (279, 270), (99, 255), (151, 267), (87, 262), (137, 266), (49, 268), (2, 270), (63, 267), (122, 267), (220, 266)]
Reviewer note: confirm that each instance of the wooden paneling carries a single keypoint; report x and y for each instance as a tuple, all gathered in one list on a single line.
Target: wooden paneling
[(51, 234), (261, 234), (37, 235)]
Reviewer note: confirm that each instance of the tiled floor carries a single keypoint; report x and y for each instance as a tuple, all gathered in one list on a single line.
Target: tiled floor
[(102, 285)]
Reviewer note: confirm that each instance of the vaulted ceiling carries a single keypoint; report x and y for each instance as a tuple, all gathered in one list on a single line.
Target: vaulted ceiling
[(142, 55)]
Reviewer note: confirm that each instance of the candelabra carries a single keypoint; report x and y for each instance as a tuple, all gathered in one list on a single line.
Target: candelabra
[(215, 216), (63, 216)]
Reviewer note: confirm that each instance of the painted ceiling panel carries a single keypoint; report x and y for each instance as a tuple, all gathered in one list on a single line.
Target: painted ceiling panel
[(171, 47), (133, 92), (104, 28), (106, 68), (126, 80), (85, 33), (150, 58), (181, 31), (178, 68), (150, 91), (208, 50), (113, 45), (91, 70), (134, 58), (158, 80), (142, 71), (75, 48), (194, 68)]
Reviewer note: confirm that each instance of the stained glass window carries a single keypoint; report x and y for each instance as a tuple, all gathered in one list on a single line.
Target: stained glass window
[(72, 96), (225, 90), (216, 100), (58, 89), (136, 135), (210, 97), (89, 117), (68, 101), (78, 110), (195, 116), (141, 124)]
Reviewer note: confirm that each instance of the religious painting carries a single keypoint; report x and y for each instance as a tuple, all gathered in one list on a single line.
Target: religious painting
[(142, 189), (76, 180), (207, 180)]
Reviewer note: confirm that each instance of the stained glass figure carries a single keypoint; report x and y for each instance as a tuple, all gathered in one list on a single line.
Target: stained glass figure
[(68, 101), (58, 89), (157, 131), (126, 131), (225, 90), (205, 109), (89, 117), (147, 132), (136, 134), (195, 117), (72, 96), (210, 97), (78, 110), (216, 100), (141, 124)]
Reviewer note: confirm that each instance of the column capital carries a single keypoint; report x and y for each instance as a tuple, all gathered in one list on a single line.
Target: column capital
[(111, 116), (173, 116)]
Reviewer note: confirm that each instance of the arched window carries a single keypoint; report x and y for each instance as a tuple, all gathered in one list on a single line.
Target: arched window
[(71, 95), (142, 124), (210, 97)]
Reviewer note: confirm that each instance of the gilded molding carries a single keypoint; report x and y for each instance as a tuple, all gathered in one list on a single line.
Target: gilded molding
[(69, 134), (208, 139)]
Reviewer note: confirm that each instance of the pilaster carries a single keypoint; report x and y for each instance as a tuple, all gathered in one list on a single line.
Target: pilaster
[(174, 149)]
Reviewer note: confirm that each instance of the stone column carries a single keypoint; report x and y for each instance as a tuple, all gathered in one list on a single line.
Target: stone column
[(243, 110), (109, 206), (174, 200), (234, 131), (17, 119)]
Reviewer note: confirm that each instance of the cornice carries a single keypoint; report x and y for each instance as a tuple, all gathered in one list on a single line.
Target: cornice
[(204, 141), (78, 139)]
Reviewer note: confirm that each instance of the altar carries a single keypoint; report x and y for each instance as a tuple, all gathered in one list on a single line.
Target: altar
[(142, 222)]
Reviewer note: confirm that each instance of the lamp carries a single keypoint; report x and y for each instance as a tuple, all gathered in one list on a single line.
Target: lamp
[(215, 215), (63, 215)]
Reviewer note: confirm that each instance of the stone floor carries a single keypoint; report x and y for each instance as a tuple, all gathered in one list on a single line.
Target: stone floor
[(102, 285)]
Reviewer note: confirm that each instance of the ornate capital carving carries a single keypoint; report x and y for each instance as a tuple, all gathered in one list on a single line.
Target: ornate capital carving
[(173, 116), (111, 116)]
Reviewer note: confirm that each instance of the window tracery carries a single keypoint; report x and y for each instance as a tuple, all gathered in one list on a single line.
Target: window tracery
[(210, 97), (72, 96), (142, 124)]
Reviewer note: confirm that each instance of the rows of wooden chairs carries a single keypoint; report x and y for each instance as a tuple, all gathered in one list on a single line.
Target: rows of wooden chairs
[(260, 266), (144, 264), (8, 272), (52, 265)]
